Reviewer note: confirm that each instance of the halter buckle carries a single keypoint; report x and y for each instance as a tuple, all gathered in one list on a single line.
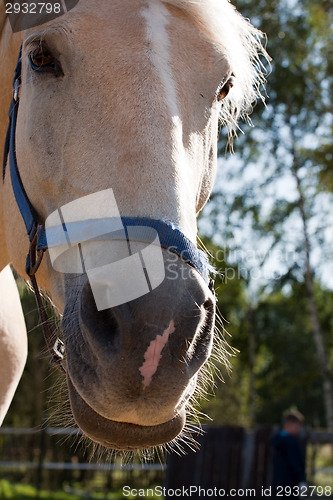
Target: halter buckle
[(35, 256), (58, 351), (59, 348)]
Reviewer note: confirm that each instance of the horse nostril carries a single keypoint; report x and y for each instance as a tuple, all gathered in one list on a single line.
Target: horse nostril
[(100, 328), (200, 348), (209, 306)]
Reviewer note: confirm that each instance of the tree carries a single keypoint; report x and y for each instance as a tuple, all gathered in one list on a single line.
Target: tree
[(273, 196), (274, 366)]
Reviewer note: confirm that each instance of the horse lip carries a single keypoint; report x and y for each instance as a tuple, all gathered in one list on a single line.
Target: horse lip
[(122, 436)]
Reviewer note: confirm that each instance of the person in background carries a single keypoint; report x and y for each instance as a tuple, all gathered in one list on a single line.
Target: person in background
[(288, 456)]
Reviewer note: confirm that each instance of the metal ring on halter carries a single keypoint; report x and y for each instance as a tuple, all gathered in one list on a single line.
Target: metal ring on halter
[(16, 89)]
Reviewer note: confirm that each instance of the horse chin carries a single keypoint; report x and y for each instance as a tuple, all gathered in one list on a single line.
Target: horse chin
[(122, 436)]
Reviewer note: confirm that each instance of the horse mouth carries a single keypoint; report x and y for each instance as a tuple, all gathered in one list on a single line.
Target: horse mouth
[(122, 436)]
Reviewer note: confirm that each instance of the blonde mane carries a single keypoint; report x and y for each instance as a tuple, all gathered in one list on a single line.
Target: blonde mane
[(242, 45)]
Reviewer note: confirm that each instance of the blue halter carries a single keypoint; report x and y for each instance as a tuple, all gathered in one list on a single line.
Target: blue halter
[(170, 236)]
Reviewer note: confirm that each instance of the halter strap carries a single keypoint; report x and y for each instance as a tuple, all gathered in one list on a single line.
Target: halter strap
[(171, 237), (27, 210), (29, 216)]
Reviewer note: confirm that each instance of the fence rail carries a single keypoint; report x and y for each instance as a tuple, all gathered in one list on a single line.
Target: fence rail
[(81, 466), (61, 431), (230, 457), (52, 458)]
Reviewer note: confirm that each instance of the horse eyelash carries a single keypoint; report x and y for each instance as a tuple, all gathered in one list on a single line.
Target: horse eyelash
[(54, 67)]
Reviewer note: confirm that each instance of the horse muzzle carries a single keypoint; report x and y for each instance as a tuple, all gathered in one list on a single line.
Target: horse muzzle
[(132, 368)]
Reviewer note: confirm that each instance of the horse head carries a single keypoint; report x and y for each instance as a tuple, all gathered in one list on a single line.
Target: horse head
[(125, 99)]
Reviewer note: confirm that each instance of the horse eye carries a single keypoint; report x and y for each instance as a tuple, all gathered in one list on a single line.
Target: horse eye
[(41, 60), (225, 88)]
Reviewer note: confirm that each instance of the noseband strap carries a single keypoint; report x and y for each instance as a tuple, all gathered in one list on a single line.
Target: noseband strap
[(171, 237)]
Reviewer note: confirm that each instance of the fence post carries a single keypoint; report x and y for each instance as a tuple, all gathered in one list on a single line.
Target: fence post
[(42, 452)]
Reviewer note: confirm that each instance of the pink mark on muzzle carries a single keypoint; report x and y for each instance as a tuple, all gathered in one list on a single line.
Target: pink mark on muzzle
[(153, 354)]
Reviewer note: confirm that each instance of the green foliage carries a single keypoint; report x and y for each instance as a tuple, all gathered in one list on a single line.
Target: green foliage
[(11, 491), (36, 394), (23, 492), (286, 371), (272, 209)]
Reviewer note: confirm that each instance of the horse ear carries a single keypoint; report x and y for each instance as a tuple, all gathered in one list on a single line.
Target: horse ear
[(70, 4)]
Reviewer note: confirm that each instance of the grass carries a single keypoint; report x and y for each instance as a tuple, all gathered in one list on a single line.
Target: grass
[(23, 492), (26, 492)]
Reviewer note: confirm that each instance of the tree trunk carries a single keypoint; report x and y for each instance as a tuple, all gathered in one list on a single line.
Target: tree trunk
[(313, 311), (252, 353)]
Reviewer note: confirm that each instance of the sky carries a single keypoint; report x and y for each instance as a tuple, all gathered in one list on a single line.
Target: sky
[(254, 254)]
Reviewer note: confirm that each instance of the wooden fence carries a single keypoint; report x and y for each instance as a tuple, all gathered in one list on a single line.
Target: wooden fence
[(231, 458), (228, 458), (56, 458)]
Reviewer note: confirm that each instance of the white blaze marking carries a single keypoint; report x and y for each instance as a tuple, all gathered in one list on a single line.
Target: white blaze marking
[(153, 355), (157, 18)]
